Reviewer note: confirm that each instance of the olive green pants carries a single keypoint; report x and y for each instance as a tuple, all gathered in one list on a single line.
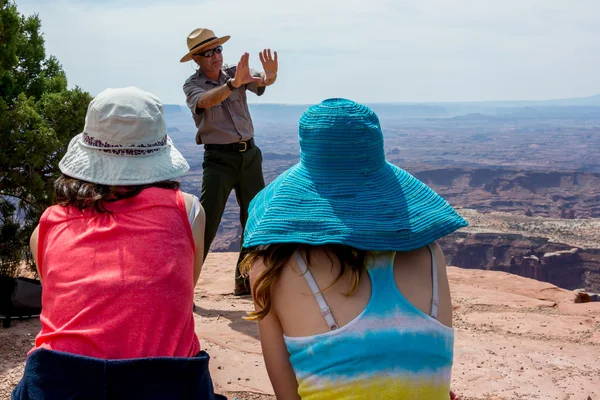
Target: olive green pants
[(224, 171)]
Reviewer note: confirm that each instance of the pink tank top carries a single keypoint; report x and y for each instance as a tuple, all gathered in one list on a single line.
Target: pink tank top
[(119, 285)]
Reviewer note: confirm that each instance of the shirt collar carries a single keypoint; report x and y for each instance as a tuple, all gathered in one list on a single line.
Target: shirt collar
[(206, 79)]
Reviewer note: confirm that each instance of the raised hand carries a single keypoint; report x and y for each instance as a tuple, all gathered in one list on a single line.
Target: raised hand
[(270, 65), (242, 73)]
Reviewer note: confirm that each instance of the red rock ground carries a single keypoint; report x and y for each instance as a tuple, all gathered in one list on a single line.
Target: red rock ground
[(516, 338)]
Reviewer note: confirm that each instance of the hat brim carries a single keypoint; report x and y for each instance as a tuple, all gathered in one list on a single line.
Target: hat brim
[(389, 210), (218, 41), (97, 166)]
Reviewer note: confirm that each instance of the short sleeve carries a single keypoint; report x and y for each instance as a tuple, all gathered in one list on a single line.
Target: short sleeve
[(253, 87), (193, 91)]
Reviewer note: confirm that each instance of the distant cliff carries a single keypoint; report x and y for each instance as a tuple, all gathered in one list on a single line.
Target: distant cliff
[(538, 194), (544, 194), (530, 257)]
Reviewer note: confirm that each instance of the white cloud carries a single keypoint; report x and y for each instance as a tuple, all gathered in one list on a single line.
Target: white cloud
[(375, 50)]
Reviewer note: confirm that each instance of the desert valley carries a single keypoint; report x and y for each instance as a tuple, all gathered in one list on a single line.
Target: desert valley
[(526, 175)]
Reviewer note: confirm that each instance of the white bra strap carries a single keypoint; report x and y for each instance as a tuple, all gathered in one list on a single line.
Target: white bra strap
[(434, 278), (325, 310)]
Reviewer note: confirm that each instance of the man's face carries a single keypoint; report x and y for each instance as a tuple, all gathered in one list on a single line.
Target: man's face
[(210, 60)]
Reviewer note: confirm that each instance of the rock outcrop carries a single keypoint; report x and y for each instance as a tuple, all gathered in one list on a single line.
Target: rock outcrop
[(567, 195), (530, 257)]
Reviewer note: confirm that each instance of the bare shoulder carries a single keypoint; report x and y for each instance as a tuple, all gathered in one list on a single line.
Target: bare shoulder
[(414, 259), (189, 200), (33, 240), (417, 263), (187, 195), (438, 249), (440, 260), (257, 268), (281, 284), (421, 256), (33, 245), (413, 274)]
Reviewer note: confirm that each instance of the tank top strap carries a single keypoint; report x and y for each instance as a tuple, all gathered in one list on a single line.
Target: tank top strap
[(379, 269), (383, 284), (435, 288)]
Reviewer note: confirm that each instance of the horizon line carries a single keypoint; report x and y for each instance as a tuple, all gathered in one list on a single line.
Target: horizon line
[(426, 102)]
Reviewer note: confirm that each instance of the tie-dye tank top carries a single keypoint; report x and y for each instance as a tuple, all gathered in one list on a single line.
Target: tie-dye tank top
[(392, 350)]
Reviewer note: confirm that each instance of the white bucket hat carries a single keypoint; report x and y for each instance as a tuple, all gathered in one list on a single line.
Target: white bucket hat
[(124, 142)]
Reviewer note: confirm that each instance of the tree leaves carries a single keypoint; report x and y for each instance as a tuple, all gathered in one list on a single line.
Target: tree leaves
[(38, 117)]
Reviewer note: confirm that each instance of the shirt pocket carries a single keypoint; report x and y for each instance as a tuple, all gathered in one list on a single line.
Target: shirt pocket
[(238, 104), (217, 114)]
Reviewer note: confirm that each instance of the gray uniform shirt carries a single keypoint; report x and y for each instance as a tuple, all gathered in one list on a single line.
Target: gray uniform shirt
[(228, 121)]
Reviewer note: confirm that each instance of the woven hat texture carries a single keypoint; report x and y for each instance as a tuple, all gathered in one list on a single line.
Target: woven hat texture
[(344, 191)]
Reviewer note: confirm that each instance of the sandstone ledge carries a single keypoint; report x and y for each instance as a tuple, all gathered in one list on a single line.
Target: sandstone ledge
[(516, 338)]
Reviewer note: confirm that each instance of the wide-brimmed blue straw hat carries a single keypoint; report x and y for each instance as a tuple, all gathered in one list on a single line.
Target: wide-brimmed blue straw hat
[(344, 191)]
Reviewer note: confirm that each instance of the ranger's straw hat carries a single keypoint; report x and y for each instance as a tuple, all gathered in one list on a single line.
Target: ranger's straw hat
[(200, 39)]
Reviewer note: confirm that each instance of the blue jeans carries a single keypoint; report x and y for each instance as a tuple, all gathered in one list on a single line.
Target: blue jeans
[(53, 375)]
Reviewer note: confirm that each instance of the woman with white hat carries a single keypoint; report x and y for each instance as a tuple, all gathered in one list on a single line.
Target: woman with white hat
[(350, 289), (119, 257)]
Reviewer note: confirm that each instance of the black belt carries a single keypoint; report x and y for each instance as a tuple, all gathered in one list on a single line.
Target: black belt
[(239, 146)]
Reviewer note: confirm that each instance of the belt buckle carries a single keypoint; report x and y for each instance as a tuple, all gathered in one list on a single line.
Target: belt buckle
[(245, 147)]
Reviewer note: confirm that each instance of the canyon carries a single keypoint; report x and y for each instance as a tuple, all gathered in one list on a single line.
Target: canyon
[(525, 175)]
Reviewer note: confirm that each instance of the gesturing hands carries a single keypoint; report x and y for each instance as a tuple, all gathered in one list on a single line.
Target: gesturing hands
[(242, 73), (270, 65)]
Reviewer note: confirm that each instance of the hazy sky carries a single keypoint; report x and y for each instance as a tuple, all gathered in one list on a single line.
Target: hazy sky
[(366, 50)]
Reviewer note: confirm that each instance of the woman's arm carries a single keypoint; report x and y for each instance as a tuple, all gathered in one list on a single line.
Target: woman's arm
[(198, 233), (274, 350), (445, 301), (33, 246), (445, 312)]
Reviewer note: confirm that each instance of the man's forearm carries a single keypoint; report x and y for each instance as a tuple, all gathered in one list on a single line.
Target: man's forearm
[(213, 97)]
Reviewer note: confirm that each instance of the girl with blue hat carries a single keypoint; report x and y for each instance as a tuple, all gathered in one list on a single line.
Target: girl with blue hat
[(350, 288)]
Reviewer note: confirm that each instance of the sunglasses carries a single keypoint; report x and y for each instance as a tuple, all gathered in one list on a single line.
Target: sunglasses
[(210, 53)]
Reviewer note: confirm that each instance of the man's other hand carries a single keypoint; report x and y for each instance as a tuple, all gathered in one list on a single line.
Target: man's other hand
[(242, 73), (270, 65)]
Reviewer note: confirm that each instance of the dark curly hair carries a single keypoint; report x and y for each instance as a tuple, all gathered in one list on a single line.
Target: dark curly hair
[(70, 191)]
